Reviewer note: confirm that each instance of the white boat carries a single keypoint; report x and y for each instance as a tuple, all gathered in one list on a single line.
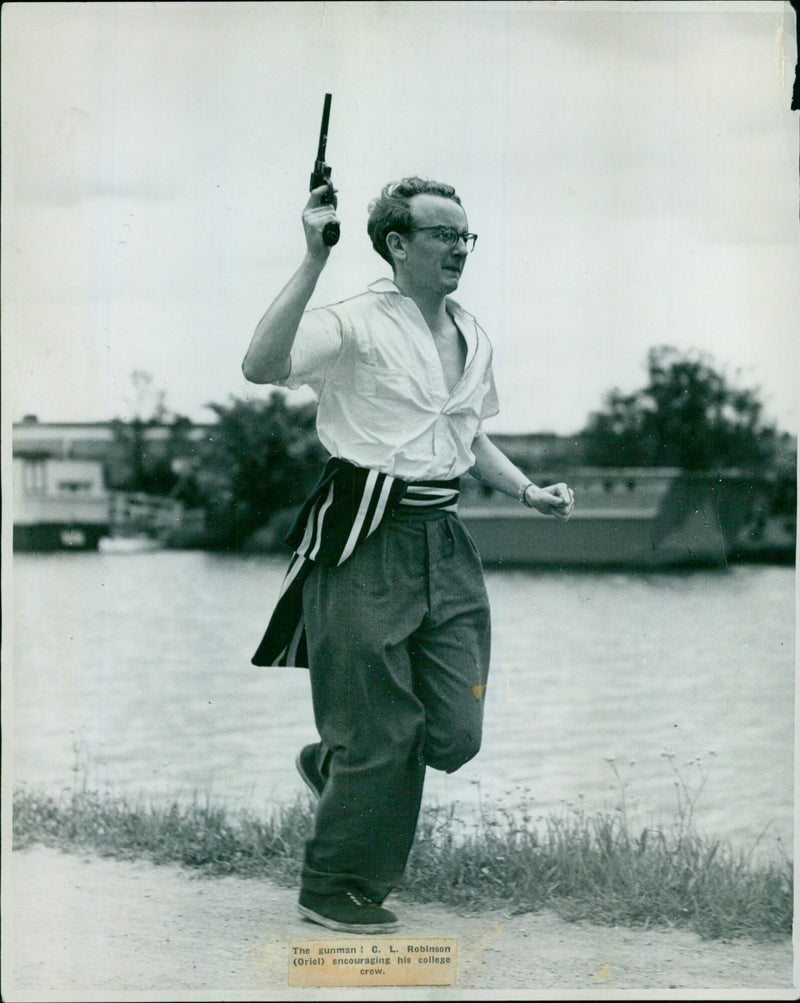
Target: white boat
[(136, 544)]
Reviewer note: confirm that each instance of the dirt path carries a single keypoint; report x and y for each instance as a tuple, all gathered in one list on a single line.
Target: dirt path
[(95, 929)]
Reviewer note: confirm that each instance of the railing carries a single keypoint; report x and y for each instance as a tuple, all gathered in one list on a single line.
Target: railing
[(137, 512)]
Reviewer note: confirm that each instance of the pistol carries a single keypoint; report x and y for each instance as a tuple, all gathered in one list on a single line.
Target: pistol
[(321, 175)]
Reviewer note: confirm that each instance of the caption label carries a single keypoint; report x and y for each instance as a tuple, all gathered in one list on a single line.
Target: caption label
[(375, 961)]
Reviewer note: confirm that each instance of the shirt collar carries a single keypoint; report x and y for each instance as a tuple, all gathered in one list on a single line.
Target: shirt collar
[(385, 285)]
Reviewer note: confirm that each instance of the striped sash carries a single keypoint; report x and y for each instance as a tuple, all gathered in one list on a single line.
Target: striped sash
[(431, 494), (346, 506)]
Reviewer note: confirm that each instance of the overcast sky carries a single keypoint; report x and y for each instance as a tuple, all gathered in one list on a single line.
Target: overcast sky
[(631, 170)]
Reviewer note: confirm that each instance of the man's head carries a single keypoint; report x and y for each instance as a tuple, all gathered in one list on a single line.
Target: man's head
[(419, 227), (392, 211)]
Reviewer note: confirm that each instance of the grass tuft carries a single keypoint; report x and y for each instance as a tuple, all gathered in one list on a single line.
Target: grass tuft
[(193, 835), (593, 867)]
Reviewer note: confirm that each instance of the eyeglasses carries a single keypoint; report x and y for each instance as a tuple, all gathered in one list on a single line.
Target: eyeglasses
[(450, 236)]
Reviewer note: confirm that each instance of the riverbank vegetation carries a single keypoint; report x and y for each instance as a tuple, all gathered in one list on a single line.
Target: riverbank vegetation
[(594, 867), (691, 414)]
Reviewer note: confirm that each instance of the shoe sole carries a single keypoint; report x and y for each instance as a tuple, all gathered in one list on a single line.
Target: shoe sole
[(333, 924), (305, 778)]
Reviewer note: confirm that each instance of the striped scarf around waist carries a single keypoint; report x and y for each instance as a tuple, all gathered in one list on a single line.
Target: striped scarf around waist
[(347, 505), (431, 495)]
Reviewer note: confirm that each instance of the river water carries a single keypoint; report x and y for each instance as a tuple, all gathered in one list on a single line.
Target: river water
[(132, 672)]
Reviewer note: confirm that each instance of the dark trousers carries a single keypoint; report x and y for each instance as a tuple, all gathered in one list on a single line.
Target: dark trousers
[(399, 639)]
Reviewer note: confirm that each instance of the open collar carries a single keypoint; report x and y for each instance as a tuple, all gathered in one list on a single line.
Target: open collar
[(465, 321), (385, 285)]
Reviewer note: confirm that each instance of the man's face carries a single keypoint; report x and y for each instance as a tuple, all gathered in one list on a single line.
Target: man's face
[(430, 264)]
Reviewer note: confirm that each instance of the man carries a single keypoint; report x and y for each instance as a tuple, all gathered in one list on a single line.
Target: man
[(385, 599)]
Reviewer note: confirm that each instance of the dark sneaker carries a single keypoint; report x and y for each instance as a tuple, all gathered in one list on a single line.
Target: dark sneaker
[(306, 764), (350, 912)]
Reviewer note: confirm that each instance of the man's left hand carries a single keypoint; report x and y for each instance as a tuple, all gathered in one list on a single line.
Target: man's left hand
[(556, 499)]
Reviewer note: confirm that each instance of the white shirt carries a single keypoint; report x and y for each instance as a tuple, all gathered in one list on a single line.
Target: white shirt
[(383, 400)]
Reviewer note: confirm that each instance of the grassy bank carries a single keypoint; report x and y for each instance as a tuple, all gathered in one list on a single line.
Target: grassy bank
[(582, 866)]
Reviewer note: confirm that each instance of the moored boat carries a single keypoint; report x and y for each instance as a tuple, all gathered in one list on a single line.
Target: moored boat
[(58, 504), (624, 517), (63, 504), (136, 544)]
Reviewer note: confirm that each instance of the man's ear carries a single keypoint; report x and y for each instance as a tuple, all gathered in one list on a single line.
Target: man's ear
[(394, 242)]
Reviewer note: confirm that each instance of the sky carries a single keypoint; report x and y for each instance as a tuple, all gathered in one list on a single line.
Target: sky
[(631, 170)]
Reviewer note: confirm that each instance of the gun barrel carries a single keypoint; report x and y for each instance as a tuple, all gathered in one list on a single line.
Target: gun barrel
[(323, 131)]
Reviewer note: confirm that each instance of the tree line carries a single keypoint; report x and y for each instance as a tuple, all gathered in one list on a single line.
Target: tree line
[(263, 455)]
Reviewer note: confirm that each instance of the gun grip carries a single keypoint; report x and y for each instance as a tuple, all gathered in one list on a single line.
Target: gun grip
[(330, 234)]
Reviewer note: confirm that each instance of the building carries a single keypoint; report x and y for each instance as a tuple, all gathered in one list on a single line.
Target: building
[(58, 503), (119, 446), (68, 476)]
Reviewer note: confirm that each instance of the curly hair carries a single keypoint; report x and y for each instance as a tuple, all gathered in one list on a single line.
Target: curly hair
[(391, 210)]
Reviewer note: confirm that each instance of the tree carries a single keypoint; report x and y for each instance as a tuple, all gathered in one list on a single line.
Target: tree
[(146, 467), (262, 457), (689, 416)]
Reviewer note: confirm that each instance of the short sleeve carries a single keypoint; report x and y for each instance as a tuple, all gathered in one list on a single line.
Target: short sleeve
[(491, 402), (316, 347)]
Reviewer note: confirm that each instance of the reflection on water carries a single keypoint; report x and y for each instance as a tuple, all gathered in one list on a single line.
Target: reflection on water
[(135, 668)]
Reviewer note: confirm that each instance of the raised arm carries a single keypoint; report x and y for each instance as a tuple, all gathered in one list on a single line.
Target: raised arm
[(494, 468), (268, 357)]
